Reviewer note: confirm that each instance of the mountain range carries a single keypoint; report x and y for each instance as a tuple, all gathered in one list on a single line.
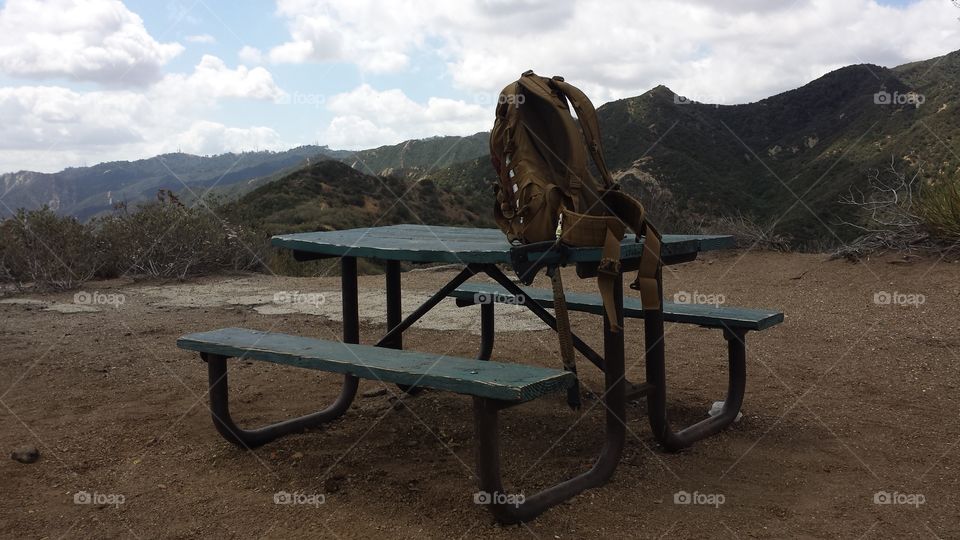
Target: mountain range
[(785, 161)]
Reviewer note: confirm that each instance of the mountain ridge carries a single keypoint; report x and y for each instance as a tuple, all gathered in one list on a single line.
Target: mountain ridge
[(784, 160)]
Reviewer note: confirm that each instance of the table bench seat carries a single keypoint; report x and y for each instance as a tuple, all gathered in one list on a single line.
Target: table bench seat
[(493, 386), (493, 380), (708, 316), (734, 322)]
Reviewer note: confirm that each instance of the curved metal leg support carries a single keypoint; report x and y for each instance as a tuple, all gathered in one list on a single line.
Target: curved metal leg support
[(657, 398), (508, 509), (219, 407)]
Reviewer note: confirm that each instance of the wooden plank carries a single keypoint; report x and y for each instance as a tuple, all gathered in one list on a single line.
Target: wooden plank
[(700, 314), (423, 243), (495, 380)]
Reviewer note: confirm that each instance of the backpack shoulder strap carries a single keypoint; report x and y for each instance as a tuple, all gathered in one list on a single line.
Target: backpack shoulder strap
[(543, 88), (588, 122), (626, 208)]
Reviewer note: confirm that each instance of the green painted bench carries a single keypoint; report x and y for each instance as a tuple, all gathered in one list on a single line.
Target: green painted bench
[(492, 385), (501, 383), (708, 316), (493, 380), (733, 321)]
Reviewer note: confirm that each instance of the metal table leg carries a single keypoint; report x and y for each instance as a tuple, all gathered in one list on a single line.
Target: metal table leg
[(487, 331), (488, 446), (657, 398), (394, 306), (220, 409), (431, 302)]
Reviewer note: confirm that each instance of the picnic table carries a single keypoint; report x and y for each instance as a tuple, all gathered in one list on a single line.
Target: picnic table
[(493, 385)]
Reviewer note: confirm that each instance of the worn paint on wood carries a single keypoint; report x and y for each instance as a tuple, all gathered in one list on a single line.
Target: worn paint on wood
[(699, 314), (495, 380), (424, 243)]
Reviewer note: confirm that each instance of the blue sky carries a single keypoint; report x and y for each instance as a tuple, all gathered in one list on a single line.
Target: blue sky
[(112, 79)]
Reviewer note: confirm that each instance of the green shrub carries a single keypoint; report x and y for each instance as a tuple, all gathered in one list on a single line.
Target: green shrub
[(939, 210)]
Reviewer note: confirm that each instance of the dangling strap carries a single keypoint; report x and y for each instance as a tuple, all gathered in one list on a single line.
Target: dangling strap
[(607, 274), (648, 276), (565, 336), (607, 231)]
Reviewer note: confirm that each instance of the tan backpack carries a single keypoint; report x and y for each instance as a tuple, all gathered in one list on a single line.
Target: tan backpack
[(546, 191)]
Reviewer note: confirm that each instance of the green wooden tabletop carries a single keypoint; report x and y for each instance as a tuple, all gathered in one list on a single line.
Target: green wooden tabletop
[(428, 243)]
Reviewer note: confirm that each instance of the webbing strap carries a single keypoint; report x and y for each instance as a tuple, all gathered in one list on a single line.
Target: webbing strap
[(648, 276), (627, 209), (565, 336), (588, 123), (607, 274), (542, 87), (602, 230)]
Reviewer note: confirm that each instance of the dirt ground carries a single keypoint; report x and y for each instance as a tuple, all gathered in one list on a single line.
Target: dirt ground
[(851, 400)]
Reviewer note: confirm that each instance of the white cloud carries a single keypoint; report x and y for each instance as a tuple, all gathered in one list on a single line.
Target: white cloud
[(92, 40), (201, 38), (205, 137), (734, 51), (296, 52), (49, 127), (38, 116), (365, 117), (250, 55), (212, 79), (373, 35)]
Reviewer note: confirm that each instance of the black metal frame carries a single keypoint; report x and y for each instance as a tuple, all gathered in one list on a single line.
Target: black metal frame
[(657, 378), (655, 387), (486, 421), (219, 394), (486, 426)]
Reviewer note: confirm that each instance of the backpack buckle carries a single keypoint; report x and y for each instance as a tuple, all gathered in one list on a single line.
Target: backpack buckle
[(558, 78), (551, 252), (527, 73)]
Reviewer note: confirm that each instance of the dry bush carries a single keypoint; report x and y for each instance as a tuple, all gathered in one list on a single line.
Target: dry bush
[(42, 248), (168, 239), (749, 234), (903, 214), (658, 201), (163, 239)]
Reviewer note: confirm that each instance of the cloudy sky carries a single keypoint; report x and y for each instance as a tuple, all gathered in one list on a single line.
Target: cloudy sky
[(85, 81)]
